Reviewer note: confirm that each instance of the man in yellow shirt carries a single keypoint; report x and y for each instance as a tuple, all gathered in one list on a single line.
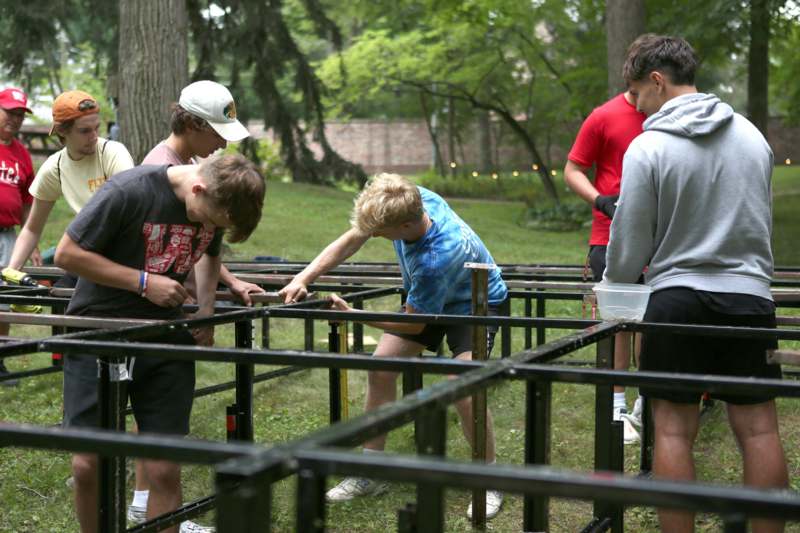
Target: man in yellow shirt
[(75, 172)]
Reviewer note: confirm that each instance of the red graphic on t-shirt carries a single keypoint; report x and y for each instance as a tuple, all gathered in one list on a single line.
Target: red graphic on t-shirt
[(170, 246)]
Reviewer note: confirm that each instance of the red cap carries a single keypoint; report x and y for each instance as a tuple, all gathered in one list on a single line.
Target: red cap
[(13, 98)]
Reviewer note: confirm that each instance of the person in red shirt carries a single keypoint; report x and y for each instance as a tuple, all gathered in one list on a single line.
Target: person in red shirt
[(16, 175), (601, 143)]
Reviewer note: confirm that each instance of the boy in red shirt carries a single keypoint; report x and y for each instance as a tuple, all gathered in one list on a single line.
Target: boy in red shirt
[(601, 143), (16, 175)]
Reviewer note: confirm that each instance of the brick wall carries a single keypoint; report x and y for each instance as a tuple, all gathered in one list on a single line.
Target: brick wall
[(404, 146)]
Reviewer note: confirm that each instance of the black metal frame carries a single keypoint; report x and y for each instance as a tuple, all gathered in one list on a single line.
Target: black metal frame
[(245, 476)]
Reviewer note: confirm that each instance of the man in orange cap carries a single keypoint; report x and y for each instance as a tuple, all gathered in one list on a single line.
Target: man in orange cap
[(16, 175), (75, 172)]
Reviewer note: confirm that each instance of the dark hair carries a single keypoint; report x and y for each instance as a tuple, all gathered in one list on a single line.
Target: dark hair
[(672, 56), (235, 185), (63, 127), (182, 120)]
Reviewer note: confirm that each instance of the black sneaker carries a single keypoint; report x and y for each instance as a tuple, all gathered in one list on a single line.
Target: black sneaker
[(4, 372)]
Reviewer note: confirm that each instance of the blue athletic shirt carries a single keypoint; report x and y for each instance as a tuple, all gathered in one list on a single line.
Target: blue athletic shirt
[(433, 267)]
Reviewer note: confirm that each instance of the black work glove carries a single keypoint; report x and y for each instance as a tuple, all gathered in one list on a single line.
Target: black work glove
[(607, 204)]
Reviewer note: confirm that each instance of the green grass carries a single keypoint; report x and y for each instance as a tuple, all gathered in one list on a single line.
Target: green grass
[(299, 220)]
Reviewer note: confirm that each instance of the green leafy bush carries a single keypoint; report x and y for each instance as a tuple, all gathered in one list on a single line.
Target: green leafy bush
[(505, 186), (568, 216)]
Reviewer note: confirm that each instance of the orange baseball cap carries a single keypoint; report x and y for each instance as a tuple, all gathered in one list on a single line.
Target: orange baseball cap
[(71, 105)]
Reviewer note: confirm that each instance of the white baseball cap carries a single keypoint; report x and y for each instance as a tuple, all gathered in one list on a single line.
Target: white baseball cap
[(214, 103)]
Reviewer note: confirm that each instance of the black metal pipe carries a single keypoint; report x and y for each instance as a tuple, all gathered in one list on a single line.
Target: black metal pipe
[(243, 332)]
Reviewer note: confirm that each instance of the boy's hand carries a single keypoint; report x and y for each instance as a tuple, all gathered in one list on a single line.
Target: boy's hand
[(165, 292), (338, 304), (295, 291), (242, 290)]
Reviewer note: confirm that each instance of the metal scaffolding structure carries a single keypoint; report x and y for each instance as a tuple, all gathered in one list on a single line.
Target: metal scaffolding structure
[(246, 471)]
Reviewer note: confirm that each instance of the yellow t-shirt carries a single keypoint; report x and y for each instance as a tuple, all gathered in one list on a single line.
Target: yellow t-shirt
[(77, 181)]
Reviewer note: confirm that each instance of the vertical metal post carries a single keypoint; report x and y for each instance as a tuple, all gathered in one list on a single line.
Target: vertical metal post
[(112, 400), (407, 519), (57, 359), (538, 395), (265, 331), (431, 440), (344, 399), (505, 331), (617, 464), (244, 503), (480, 307), (310, 502), (603, 415), (541, 312), (646, 450), (308, 330), (243, 331), (528, 329), (334, 376), (358, 329), (736, 523)]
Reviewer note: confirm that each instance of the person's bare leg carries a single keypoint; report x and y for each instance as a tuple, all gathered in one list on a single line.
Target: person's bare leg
[(622, 354), (675, 427), (140, 483), (382, 386), (84, 472), (165, 488), (756, 430), (464, 409)]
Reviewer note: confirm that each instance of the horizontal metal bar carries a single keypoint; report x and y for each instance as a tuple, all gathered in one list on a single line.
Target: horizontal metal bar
[(39, 319), (30, 373), (538, 480), (679, 382), (268, 297), (115, 443), (431, 365), (184, 512), (784, 357)]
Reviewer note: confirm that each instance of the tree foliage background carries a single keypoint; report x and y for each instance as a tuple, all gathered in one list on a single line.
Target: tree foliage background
[(534, 66)]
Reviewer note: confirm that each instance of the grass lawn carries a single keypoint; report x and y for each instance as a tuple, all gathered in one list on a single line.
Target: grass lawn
[(299, 220)]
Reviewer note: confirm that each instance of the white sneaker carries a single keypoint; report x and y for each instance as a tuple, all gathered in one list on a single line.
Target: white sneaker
[(638, 407), (192, 527), (350, 487), (494, 500), (630, 434), (138, 515)]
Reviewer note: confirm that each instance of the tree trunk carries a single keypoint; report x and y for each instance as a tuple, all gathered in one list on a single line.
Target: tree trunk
[(484, 142), (451, 134), (438, 163), (758, 67), (624, 22), (153, 68)]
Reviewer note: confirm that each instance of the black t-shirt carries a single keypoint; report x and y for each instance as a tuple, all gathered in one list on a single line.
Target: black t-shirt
[(136, 220)]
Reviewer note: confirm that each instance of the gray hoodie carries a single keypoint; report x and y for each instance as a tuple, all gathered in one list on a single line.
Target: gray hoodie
[(695, 205)]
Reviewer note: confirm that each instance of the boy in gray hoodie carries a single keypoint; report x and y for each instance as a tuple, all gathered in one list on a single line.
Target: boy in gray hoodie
[(695, 208)]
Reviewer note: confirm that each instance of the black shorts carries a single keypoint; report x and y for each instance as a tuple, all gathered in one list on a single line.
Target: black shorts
[(692, 354), (161, 392), (459, 337)]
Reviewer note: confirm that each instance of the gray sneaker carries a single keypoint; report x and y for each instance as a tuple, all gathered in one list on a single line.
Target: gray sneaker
[(351, 487)]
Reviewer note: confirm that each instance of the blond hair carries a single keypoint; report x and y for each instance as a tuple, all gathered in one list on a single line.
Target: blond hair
[(388, 200)]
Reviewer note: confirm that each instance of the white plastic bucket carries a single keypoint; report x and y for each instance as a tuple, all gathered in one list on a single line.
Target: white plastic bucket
[(622, 301)]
